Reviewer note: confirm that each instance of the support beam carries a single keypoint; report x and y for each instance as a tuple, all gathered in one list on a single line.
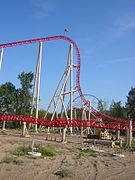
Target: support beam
[(1, 56), (56, 110), (24, 130), (82, 119), (69, 92), (89, 110), (55, 93), (75, 116), (34, 87), (33, 94), (60, 94), (64, 93), (53, 98), (38, 82), (130, 134), (64, 107), (127, 137), (4, 126), (118, 135), (71, 88), (64, 135), (88, 128), (89, 117)]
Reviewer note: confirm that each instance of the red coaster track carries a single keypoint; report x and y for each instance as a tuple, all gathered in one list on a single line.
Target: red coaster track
[(51, 38)]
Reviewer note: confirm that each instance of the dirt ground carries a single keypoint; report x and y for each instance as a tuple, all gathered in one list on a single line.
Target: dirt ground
[(68, 158)]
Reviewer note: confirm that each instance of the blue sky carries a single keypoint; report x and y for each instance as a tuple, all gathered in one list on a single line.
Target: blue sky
[(103, 30)]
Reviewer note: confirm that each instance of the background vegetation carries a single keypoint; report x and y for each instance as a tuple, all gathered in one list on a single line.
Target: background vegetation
[(17, 101)]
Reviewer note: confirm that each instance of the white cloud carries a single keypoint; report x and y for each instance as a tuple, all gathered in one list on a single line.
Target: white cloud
[(116, 61), (87, 54), (122, 60), (124, 24), (119, 27), (43, 8)]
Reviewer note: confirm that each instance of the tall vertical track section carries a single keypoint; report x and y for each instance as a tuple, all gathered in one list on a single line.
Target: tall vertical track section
[(52, 38)]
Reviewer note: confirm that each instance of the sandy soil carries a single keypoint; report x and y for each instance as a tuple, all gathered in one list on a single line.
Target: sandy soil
[(103, 166)]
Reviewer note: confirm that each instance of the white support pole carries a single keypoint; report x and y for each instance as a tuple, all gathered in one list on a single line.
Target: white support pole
[(82, 119), (24, 130), (4, 126), (64, 135), (1, 56), (127, 137), (56, 115), (34, 87), (56, 104), (89, 117), (35, 80), (71, 88), (60, 94), (38, 82), (130, 134), (64, 93), (55, 94), (64, 107), (75, 117), (56, 110), (89, 110)]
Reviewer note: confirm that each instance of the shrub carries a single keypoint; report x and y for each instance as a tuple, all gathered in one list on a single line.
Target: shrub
[(64, 173), (22, 151), (45, 151)]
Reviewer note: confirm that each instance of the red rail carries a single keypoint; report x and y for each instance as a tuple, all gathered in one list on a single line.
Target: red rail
[(62, 122), (51, 38)]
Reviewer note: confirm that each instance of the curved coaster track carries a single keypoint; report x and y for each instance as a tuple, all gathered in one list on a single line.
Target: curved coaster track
[(107, 122)]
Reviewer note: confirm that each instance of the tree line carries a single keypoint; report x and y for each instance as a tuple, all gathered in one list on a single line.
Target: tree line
[(17, 101), (117, 110)]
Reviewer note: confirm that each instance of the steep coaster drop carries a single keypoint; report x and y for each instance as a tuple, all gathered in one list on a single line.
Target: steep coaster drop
[(100, 121)]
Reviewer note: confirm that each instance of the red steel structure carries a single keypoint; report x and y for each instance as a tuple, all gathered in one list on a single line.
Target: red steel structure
[(62, 122), (108, 122)]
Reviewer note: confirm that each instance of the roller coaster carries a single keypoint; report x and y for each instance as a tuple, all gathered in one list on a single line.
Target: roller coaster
[(99, 120)]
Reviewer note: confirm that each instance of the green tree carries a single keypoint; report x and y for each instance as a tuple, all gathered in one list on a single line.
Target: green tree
[(130, 105), (8, 101), (24, 93), (102, 106), (7, 98), (117, 110), (41, 113)]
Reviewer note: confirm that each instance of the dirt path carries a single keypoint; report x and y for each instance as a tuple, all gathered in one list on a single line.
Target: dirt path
[(69, 158)]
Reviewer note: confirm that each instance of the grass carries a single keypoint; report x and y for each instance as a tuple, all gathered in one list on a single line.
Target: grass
[(80, 155), (22, 151), (9, 159), (64, 173), (106, 162), (86, 153), (45, 151)]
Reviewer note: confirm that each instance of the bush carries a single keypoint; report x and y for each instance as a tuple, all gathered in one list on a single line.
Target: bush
[(64, 173), (22, 151), (86, 153), (9, 159), (45, 151)]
